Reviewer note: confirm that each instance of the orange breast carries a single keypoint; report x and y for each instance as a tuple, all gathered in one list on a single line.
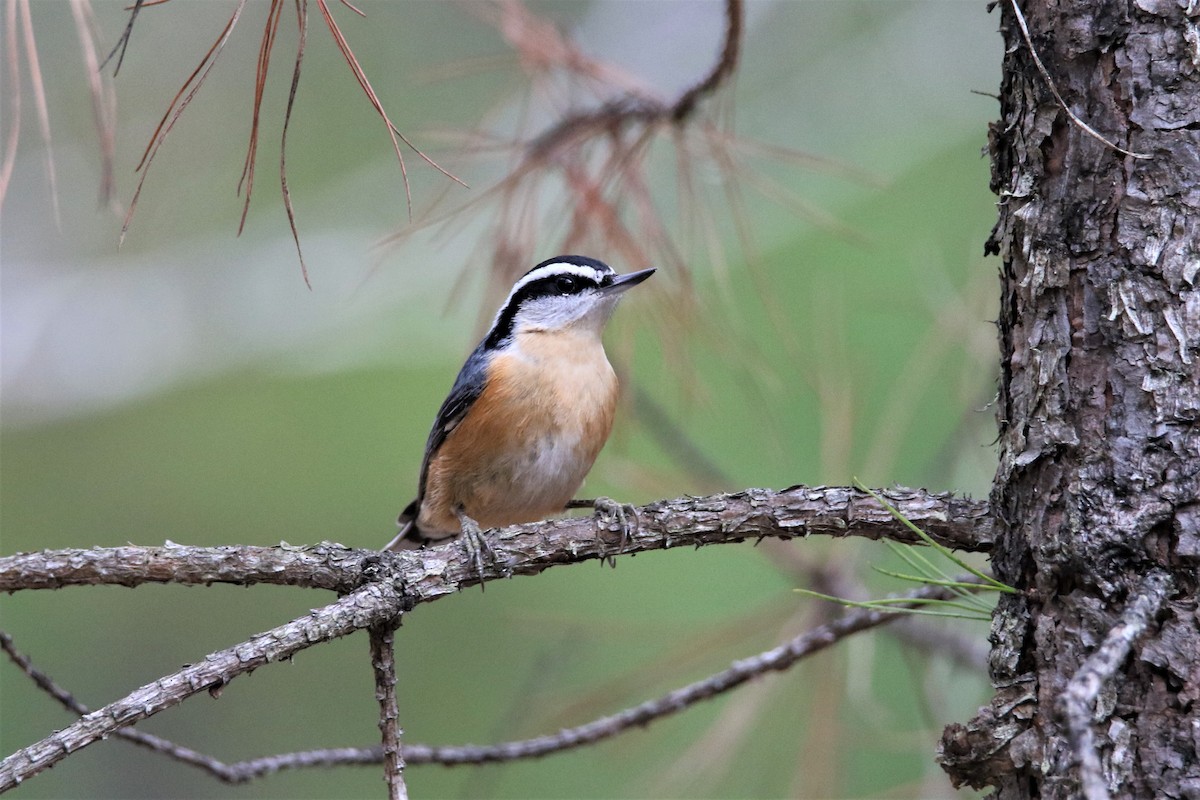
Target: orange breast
[(527, 443)]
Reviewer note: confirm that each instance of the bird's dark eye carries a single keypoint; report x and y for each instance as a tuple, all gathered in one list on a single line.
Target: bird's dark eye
[(565, 284)]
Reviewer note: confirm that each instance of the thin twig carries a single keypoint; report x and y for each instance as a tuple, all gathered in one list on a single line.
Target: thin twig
[(777, 659), (735, 13), (1088, 129), (1079, 699), (157, 744), (741, 671), (371, 605), (238, 772), (634, 108), (123, 42), (383, 662)]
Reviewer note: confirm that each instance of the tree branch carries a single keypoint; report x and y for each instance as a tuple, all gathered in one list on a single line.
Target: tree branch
[(383, 661), (777, 659), (392, 583), (799, 511), (321, 566), (1078, 702), (373, 604), (726, 63), (140, 738), (635, 109), (740, 672)]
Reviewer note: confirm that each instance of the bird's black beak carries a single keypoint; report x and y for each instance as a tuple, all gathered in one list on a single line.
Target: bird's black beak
[(622, 282)]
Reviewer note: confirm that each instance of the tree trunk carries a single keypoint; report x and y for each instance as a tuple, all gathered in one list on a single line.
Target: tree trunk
[(1096, 494)]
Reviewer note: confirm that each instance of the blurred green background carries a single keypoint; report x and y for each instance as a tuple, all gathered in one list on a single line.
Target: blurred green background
[(191, 388)]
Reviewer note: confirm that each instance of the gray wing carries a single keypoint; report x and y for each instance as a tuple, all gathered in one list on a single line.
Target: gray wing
[(466, 390)]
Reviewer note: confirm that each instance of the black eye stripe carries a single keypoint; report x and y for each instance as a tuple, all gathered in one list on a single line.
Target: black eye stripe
[(581, 274), (552, 285), (548, 286)]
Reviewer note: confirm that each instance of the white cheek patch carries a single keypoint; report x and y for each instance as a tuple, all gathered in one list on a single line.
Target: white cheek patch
[(557, 268), (552, 313)]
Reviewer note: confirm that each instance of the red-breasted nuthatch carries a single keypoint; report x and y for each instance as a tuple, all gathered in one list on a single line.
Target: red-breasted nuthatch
[(530, 409)]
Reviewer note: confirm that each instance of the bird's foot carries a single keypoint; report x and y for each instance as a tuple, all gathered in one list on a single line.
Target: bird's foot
[(610, 513), (478, 549)]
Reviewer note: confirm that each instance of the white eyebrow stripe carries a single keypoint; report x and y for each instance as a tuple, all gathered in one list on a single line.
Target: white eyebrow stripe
[(557, 268), (539, 273)]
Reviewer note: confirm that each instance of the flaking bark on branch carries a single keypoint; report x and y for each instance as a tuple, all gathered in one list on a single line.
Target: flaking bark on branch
[(799, 511), (776, 659), (157, 744), (383, 663), (373, 604), (390, 584)]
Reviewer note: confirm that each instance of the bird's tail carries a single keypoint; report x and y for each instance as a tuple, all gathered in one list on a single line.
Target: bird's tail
[(409, 536)]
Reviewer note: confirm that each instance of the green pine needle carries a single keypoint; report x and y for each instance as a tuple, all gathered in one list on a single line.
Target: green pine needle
[(996, 585), (967, 603), (886, 605), (965, 590)]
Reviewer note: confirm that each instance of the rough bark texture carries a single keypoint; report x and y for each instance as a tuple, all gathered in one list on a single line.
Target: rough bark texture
[(799, 511), (1097, 486), (379, 587)]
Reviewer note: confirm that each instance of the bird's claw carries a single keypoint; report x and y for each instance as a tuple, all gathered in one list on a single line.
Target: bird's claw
[(623, 515), (479, 550)]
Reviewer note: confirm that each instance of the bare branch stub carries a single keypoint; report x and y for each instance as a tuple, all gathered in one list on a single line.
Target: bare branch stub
[(383, 662)]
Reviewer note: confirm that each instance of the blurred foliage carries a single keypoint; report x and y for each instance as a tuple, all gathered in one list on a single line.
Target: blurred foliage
[(828, 356)]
